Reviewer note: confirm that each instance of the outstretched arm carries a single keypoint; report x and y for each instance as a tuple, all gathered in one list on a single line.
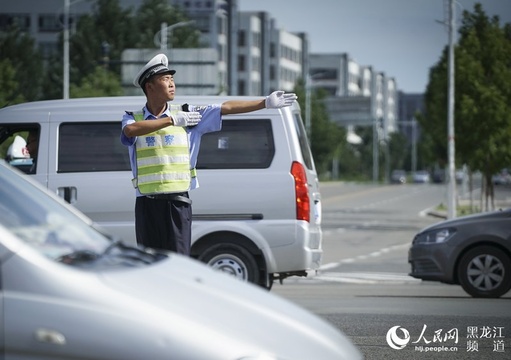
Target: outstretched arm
[(242, 106), (275, 100)]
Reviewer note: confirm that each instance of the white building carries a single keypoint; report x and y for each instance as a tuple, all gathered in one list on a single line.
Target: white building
[(268, 58), (196, 70), (215, 20), (359, 96)]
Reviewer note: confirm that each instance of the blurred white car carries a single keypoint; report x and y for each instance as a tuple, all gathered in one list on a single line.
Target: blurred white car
[(421, 177), (460, 176), (70, 292), (502, 178)]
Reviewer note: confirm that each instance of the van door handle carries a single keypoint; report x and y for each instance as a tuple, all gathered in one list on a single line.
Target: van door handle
[(68, 193)]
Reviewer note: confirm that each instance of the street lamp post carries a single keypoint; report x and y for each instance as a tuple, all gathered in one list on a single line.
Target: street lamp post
[(66, 50), (376, 155), (164, 31), (308, 125), (451, 203), (65, 81)]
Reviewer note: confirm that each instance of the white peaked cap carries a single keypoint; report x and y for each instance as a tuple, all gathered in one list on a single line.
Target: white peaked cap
[(157, 65), (17, 150)]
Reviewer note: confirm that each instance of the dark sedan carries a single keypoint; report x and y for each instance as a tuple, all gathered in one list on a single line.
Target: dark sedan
[(473, 251)]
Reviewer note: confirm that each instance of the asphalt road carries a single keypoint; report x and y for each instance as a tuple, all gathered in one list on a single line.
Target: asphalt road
[(363, 287)]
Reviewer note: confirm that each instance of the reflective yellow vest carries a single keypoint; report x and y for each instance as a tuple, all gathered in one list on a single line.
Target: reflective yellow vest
[(163, 159)]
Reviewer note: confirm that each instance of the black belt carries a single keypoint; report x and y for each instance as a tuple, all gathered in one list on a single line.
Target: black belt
[(172, 197)]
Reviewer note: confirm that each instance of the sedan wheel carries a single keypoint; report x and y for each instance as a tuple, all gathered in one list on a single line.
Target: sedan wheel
[(485, 271)]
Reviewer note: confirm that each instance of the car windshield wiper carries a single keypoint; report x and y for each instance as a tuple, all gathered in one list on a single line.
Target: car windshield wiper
[(134, 253), (123, 254), (78, 256)]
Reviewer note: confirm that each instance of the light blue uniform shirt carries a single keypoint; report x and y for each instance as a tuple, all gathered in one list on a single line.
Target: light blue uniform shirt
[(211, 121)]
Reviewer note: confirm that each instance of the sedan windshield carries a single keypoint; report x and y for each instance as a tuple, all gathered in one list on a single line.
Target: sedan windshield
[(42, 222)]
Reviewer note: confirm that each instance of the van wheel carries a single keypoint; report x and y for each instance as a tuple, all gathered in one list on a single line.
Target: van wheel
[(485, 272), (233, 260)]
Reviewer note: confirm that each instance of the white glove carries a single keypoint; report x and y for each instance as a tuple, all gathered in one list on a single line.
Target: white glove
[(183, 118), (278, 99)]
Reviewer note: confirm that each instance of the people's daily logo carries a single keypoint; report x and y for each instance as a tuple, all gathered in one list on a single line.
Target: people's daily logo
[(448, 340), (397, 339)]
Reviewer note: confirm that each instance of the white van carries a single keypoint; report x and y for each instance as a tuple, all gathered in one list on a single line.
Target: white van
[(256, 214)]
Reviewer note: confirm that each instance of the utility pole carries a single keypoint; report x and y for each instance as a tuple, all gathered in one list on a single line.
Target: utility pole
[(451, 191), (376, 151), (414, 145), (66, 50)]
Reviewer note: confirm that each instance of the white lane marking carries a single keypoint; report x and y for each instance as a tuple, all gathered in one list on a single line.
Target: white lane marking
[(363, 257), (322, 274), (367, 278)]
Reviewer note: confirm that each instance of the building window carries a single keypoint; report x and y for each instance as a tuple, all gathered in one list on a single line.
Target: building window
[(241, 38), (202, 23), (50, 23), (323, 74), (241, 87), (221, 25), (241, 63), (221, 52), (273, 52), (22, 21), (256, 39), (256, 63)]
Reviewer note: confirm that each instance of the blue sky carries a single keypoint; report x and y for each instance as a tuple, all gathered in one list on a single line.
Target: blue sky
[(401, 38)]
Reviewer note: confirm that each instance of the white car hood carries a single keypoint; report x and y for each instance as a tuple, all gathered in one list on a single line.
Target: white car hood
[(240, 310)]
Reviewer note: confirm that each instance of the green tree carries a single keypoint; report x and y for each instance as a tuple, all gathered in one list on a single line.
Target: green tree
[(482, 97), (399, 148), (20, 55), (53, 78), (9, 94), (150, 16), (101, 37), (365, 152), (326, 137), (100, 82)]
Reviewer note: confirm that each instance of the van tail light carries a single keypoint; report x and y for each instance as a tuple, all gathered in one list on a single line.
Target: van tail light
[(301, 192)]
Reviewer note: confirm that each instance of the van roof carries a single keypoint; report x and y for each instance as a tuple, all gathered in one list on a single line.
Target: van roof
[(107, 105)]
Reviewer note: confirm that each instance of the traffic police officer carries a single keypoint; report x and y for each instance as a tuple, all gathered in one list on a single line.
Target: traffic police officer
[(163, 141)]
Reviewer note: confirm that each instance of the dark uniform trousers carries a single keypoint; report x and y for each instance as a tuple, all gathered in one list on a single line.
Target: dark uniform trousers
[(164, 222)]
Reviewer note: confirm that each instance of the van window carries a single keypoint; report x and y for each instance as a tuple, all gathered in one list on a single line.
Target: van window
[(19, 144), (93, 146), (304, 143), (241, 144)]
